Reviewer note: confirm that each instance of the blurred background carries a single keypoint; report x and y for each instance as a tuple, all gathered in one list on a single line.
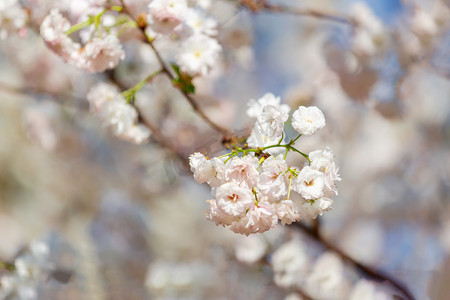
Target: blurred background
[(127, 221)]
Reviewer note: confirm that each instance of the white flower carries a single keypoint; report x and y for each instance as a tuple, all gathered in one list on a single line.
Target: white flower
[(309, 183), (204, 4), (313, 208), (165, 15), (259, 218), (307, 120), (365, 18), (120, 116), (53, 31), (198, 54), (102, 53), (273, 181), (259, 139), (423, 23), (369, 33), (200, 23), (290, 264), (327, 280), (219, 216), (271, 120), (12, 17), (107, 103), (210, 171), (136, 133), (323, 161), (242, 170), (233, 199), (101, 94), (366, 290), (289, 211), (250, 249), (256, 107), (293, 296)]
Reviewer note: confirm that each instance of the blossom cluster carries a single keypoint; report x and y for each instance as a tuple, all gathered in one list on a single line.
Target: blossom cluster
[(101, 52), (106, 102), (28, 269), (13, 18), (253, 191), (192, 26), (369, 35)]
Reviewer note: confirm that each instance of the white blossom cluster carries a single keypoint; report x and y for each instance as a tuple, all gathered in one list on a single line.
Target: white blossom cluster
[(100, 53), (13, 18), (28, 270), (112, 109), (198, 50), (252, 194), (370, 35), (322, 279)]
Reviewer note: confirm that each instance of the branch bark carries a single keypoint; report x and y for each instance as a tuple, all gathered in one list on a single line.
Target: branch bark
[(367, 270), (166, 70), (262, 5)]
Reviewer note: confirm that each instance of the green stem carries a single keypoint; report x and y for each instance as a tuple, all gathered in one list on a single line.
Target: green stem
[(282, 137), (261, 149), (129, 94), (301, 153), (7, 266), (80, 26), (91, 20), (294, 140)]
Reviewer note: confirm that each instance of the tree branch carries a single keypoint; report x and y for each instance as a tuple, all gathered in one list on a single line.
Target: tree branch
[(166, 70), (369, 271), (262, 5)]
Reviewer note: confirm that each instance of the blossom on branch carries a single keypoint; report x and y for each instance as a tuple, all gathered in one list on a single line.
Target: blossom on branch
[(252, 192)]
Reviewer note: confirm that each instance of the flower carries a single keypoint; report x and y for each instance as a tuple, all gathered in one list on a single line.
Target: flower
[(307, 120), (256, 107), (313, 208), (242, 171), (309, 183), (102, 53), (217, 215), (271, 120), (250, 249), (365, 289), (205, 170), (200, 23), (102, 94), (327, 281), (273, 181), (107, 103), (259, 139), (165, 15), (323, 161), (136, 133), (12, 17), (289, 211), (53, 31), (290, 264), (259, 218), (120, 116), (233, 199), (198, 54), (369, 35)]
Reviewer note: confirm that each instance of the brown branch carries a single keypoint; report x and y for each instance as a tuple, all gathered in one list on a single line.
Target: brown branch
[(367, 270), (141, 25), (262, 5), (36, 91)]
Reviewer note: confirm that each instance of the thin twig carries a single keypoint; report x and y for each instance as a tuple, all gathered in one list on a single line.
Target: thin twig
[(369, 271), (166, 70), (262, 5)]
